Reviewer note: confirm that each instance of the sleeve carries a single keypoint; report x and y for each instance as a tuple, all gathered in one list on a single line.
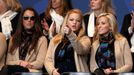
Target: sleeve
[(127, 59), (3, 45), (42, 46), (82, 45), (49, 60), (12, 59)]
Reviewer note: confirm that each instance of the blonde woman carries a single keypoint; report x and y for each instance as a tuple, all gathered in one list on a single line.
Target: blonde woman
[(67, 51), (110, 51), (96, 7)]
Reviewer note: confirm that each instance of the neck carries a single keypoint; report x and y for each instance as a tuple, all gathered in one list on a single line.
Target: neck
[(4, 11), (57, 10), (97, 12)]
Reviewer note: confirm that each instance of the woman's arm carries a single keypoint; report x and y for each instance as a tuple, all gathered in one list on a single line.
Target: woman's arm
[(81, 46)]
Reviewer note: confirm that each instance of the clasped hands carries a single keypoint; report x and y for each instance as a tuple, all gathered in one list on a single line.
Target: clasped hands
[(25, 64)]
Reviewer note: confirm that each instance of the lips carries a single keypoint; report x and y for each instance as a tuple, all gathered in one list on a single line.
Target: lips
[(74, 26)]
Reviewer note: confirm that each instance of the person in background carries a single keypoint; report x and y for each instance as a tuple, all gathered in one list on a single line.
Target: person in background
[(53, 17), (28, 46), (67, 51), (9, 15), (3, 47), (127, 29), (96, 7), (110, 51)]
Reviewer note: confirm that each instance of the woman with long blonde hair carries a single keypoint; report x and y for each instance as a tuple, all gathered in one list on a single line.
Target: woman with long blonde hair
[(110, 52), (67, 51)]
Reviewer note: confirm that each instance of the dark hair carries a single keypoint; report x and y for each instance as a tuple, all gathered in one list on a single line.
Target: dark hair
[(17, 37)]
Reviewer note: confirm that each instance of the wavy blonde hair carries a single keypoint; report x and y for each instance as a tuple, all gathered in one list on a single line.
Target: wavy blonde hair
[(13, 5), (81, 31), (112, 22), (107, 7)]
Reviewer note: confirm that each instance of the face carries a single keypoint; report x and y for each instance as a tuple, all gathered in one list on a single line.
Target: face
[(56, 4), (103, 26), (96, 4), (3, 7), (132, 2), (74, 22), (28, 19)]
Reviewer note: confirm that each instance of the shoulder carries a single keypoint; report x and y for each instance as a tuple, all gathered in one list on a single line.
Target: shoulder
[(42, 38), (122, 40), (85, 37), (86, 15)]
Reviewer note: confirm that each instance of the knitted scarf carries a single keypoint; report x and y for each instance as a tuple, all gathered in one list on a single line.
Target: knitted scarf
[(105, 54)]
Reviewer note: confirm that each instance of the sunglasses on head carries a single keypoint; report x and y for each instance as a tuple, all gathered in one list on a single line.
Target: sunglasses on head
[(28, 17)]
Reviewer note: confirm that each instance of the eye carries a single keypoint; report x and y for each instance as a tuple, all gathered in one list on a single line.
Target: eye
[(78, 21), (71, 19)]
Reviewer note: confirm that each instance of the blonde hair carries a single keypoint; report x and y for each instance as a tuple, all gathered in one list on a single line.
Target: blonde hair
[(108, 7), (113, 24), (82, 29), (13, 5)]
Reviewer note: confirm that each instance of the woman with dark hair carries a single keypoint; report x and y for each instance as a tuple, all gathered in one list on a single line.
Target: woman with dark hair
[(53, 17), (28, 46)]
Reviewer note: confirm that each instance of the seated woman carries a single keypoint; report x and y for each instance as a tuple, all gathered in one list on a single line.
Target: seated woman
[(28, 46), (67, 51), (3, 47), (110, 51)]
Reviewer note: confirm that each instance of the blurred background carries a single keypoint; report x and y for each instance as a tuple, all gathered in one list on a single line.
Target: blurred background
[(122, 7)]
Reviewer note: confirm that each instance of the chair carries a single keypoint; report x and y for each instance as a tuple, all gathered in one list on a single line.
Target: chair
[(77, 73)]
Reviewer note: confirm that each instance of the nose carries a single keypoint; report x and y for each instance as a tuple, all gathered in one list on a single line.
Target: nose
[(29, 19), (74, 21)]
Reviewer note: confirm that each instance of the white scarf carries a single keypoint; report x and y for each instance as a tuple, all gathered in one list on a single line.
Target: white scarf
[(130, 31), (132, 42), (57, 18), (6, 25), (91, 25)]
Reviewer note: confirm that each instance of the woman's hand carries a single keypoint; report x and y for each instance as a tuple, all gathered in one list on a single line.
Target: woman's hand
[(52, 28), (44, 24), (55, 72), (108, 71), (67, 30), (25, 64)]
